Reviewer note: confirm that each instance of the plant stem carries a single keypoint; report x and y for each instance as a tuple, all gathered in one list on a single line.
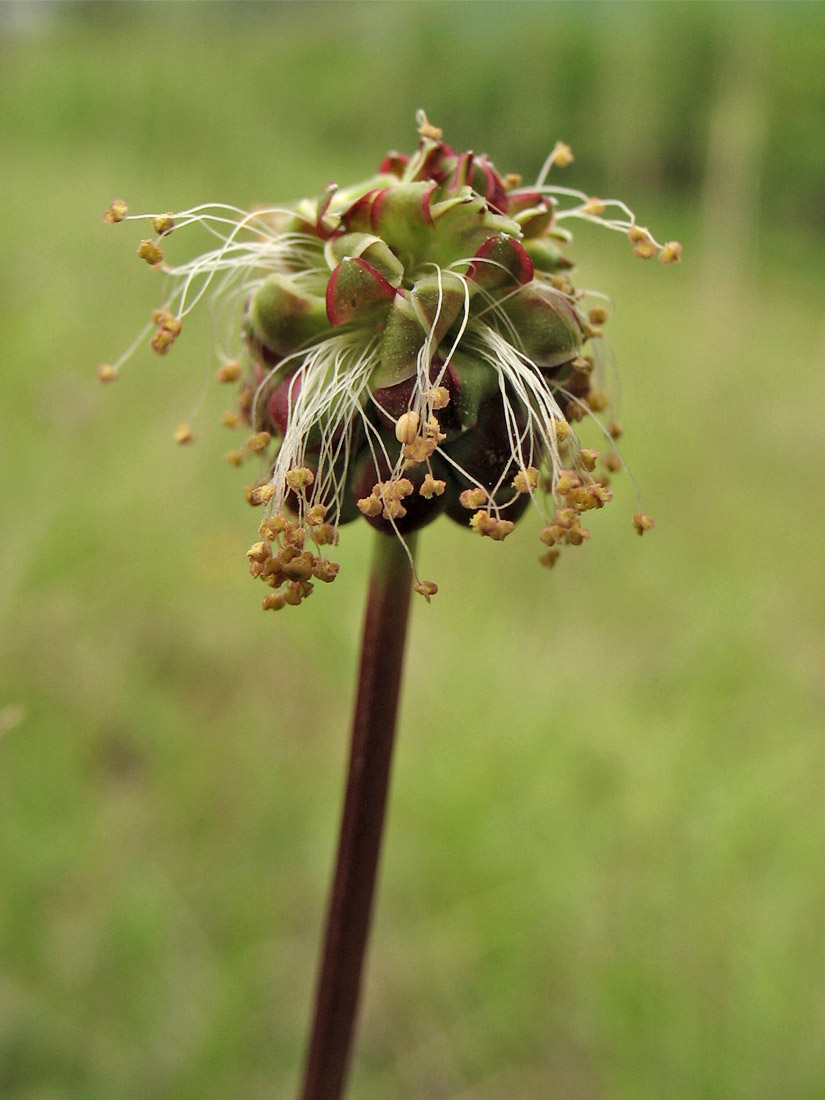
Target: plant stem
[(362, 822)]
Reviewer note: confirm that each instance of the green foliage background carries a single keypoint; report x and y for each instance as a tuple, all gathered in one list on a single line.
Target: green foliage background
[(603, 874)]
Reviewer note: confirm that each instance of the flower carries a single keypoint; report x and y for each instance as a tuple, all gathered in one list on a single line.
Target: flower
[(410, 346)]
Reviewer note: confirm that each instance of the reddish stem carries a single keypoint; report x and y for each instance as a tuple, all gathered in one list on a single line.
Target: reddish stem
[(362, 823)]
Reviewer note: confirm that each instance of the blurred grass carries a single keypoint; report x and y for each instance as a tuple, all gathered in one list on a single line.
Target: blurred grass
[(603, 866)]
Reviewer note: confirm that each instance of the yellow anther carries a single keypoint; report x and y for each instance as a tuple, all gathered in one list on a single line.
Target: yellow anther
[(643, 523), (494, 528), (299, 568), (163, 223), (526, 480), (150, 252), (511, 181), (229, 372), (503, 527), (440, 397), (577, 535), (299, 478), (431, 487), (562, 154), (234, 458), (561, 429), (638, 233), (582, 364), (406, 427), (293, 537), (568, 479), (162, 341), (273, 602), (600, 494), (259, 441), (579, 500), (116, 212), (262, 494), (167, 322), (615, 429), (598, 315), (597, 400), (418, 451), (551, 535), (168, 330), (549, 559), (259, 551), (370, 506), (230, 418), (183, 434), (473, 498), (645, 250), (325, 570), (593, 208), (324, 535), (427, 589), (671, 253), (588, 458), (564, 517), (272, 526), (315, 515), (107, 373)]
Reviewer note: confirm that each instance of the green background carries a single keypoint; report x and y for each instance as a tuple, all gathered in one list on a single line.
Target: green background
[(604, 863)]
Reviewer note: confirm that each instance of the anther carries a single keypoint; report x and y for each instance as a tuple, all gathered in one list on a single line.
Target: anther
[(163, 223), (259, 441), (562, 155), (107, 373), (406, 427), (526, 480), (274, 601), (427, 589), (299, 478), (183, 434), (431, 486), (473, 498), (116, 212), (261, 494), (370, 506), (229, 372), (643, 523), (315, 515), (150, 252), (593, 208), (588, 458), (671, 253)]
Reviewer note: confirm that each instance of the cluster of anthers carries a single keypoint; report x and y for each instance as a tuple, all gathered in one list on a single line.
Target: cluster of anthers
[(407, 347)]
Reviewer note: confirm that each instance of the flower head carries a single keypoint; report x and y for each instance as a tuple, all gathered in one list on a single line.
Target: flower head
[(410, 346)]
